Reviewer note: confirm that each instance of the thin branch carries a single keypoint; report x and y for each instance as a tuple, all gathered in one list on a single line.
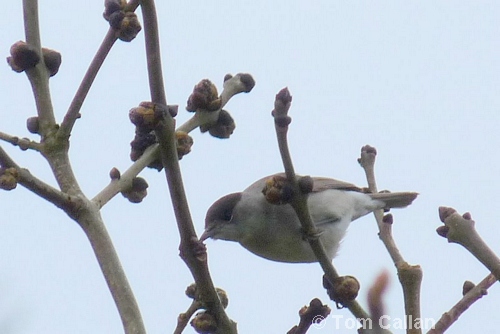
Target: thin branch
[(299, 200), (183, 318), (39, 75), (240, 83), (367, 161), (461, 230), (116, 186), (410, 277), (83, 210), (23, 143), (42, 189), (196, 262), (73, 112), (313, 315), (476, 293), (91, 222)]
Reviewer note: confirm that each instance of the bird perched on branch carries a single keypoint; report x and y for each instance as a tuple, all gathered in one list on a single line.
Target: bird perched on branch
[(273, 230)]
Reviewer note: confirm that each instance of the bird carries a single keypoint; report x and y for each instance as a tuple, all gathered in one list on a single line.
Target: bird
[(274, 232)]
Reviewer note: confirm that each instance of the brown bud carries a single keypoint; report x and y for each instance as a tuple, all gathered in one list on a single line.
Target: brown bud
[(23, 56), (224, 127), (112, 6), (139, 184), (277, 190), (282, 120), (388, 219), (204, 96), (173, 109), (33, 124), (468, 285), (129, 27), (114, 174), (223, 297), (306, 184), (115, 19), (284, 96), (467, 216), (443, 231), (281, 105), (344, 289), (314, 314), (227, 77), (137, 191), (191, 291), (347, 287), (23, 143), (204, 323), (248, 82), (445, 212), (52, 60), (8, 178), (184, 143), (369, 149), (146, 116)]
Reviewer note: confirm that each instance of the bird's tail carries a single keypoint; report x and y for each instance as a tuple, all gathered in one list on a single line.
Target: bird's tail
[(395, 200)]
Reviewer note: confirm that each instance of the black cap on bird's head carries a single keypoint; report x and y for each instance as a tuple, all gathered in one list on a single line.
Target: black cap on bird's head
[(219, 214)]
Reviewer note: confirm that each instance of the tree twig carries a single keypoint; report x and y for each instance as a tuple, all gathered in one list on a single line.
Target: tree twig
[(461, 230), (73, 112), (165, 132), (38, 75), (450, 317), (30, 182), (23, 143), (313, 314), (299, 200), (410, 276), (81, 209)]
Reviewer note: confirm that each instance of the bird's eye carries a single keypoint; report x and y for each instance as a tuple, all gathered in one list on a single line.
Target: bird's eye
[(227, 215)]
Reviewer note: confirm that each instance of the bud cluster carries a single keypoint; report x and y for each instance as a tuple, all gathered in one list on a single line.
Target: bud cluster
[(343, 289), (124, 22), (137, 190), (8, 178), (146, 117), (204, 321), (24, 57)]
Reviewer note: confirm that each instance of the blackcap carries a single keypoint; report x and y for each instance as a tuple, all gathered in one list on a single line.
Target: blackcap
[(274, 232)]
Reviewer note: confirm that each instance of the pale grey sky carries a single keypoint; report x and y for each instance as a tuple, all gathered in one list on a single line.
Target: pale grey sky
[(417, 80)]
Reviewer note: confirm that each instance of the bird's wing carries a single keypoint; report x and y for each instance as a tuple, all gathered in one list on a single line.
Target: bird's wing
[(320, 184), (324, 183)]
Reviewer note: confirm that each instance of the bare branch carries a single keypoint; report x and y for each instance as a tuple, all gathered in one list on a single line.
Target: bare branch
[(73, 112), (37, 186), (192, 250), (367, 161), (39, 75), (477, 292), (299, 200), (241, 82), (410, 277), (313, 314), (461, 230), (23, 143)]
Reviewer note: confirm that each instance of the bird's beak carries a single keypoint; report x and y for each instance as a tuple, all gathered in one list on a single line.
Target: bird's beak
[(205, 236)]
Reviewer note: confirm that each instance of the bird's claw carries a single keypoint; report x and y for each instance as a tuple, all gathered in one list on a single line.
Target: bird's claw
[(308, 235)]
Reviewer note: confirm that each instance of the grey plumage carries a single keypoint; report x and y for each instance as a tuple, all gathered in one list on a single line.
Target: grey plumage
[(274, 231)]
